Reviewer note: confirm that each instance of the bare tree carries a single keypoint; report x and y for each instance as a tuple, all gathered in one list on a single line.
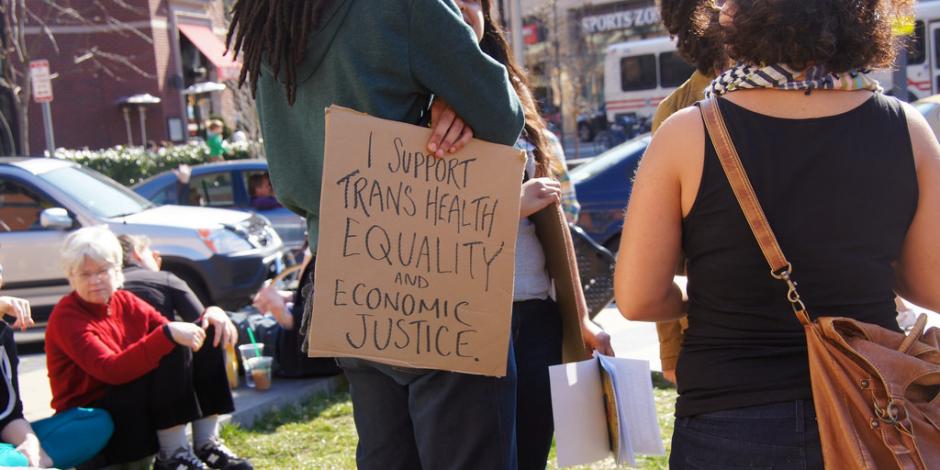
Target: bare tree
[(19, 44)]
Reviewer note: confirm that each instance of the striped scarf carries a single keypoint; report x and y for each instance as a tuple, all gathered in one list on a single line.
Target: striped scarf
[(783, 77)]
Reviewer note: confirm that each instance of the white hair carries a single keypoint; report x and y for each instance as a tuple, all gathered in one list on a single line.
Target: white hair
[(97, 243)]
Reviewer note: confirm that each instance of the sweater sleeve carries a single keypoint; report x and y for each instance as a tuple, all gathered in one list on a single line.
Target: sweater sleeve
[(446, 59), (84, 345), (185, 301)]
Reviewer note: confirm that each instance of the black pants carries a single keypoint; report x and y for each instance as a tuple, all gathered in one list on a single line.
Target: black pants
[(184, 387), (536, 337)]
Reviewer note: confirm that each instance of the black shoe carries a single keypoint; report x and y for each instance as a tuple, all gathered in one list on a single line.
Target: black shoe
[(183, 459), (216, 455)]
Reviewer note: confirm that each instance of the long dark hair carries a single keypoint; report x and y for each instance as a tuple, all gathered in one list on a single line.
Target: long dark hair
[(277, 31), (495, 45)]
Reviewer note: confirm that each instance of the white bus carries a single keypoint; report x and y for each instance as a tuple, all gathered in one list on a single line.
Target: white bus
[(923, 60), (640, 74)]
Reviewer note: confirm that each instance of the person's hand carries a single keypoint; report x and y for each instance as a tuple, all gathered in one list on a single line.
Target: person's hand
[(183, 173), (187, 334), (18, 309), (670, 375), (269, 299), (595, 338), (537, 194), (225, 330), (449, 132)]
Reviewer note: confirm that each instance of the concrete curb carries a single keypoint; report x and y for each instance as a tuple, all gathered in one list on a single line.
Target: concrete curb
[(250, 404)]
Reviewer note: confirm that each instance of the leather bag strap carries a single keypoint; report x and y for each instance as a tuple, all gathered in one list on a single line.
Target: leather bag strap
[(780, 268)]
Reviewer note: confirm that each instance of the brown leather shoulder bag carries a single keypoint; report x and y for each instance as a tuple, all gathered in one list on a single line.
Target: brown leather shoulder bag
[(876, 392)]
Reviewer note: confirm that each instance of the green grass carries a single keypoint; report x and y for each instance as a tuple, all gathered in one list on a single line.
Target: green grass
[(320, 434)]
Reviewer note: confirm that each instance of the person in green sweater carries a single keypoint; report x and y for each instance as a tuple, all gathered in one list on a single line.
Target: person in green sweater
[(704, 50), (214, 140), (386, 59)]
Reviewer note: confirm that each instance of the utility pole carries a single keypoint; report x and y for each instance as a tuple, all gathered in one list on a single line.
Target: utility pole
[(900, 75), (518, 47)]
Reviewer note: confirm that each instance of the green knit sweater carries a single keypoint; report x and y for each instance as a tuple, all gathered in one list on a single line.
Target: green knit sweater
[(384, 58)]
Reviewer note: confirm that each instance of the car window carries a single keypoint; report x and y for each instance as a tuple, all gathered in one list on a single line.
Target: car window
[(167, 195), (638, 72), (96, 192), (214, 190), (917, 54), (20, 207), (673, 70)]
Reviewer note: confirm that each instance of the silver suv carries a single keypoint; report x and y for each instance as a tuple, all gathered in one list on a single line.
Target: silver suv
[(224, 255)]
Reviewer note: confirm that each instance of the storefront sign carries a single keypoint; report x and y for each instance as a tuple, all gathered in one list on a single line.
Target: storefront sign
[(621, 20)]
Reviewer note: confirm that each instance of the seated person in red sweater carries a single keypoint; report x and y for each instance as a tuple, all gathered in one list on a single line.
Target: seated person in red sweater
[(107, 348)]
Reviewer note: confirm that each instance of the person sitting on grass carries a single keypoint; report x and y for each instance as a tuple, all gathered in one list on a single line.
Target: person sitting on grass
[(66, 439), (106, 347)]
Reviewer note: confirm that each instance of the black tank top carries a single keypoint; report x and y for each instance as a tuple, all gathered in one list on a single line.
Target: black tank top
[(840, 192)]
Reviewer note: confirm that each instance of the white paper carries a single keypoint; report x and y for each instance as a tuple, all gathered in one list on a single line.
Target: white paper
[(636, 406), (581, 435)]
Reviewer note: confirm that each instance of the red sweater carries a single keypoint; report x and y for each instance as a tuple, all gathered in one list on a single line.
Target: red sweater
[(90, 347)]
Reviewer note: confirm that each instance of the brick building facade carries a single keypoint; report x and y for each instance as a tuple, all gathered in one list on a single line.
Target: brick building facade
[(119, 50)]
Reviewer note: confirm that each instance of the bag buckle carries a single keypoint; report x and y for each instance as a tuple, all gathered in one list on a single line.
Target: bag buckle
[(792, 295), (891, 413)]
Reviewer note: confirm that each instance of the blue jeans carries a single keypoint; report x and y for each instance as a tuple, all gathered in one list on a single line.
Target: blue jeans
[(70, 438), (536, 338), (416, 418), (776, 436)]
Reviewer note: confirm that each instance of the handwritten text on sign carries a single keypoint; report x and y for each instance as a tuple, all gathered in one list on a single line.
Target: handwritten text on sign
[(415, 255)]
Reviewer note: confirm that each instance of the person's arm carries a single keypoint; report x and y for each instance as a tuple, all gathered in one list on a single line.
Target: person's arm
[(918, 268), (96, 358), (20, 434), (446, 59), (651, 240), (269, 299)]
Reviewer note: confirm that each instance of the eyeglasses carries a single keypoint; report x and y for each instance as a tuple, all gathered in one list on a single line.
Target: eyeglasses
[(89, 276)]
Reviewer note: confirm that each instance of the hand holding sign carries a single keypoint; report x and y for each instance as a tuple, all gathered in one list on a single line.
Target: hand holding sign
[(416, 253)]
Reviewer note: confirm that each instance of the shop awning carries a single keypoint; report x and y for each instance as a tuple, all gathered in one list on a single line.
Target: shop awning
[(213, 48)]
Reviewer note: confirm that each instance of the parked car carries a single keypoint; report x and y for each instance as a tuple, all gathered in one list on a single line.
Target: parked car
[(225, 185), (603, 186), (224, 255)]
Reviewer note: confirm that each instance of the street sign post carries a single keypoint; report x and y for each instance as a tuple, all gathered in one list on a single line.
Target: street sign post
[(42, 94)]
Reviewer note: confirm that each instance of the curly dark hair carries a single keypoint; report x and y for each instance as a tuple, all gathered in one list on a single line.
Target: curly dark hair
[(840, 34), (694, 24)]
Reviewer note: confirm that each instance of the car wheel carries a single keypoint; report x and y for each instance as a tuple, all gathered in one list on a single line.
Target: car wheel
[(194, 282), (585, 133)]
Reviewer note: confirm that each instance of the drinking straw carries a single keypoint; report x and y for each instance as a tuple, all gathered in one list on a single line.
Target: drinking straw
[(251, 336)]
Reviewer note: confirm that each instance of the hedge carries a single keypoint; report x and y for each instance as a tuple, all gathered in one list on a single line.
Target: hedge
[(130, 165)]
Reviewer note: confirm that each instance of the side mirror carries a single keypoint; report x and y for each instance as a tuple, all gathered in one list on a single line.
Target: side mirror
[(55, 218)]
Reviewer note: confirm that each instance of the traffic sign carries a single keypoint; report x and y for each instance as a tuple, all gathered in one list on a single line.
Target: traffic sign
[(39, 76)]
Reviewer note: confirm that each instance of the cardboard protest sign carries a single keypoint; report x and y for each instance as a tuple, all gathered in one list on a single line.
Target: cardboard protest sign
[(415, 254)]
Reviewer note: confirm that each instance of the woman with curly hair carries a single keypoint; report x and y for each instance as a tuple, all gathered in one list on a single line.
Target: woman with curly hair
[(850, 182)]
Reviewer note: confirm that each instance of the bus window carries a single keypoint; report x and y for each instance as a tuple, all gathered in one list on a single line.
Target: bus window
[(916, 54), (638, 72), (673, 70)]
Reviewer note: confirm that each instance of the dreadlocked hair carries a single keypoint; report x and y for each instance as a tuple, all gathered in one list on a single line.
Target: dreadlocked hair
[(275, 31), (494, 44), (694, 24)]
